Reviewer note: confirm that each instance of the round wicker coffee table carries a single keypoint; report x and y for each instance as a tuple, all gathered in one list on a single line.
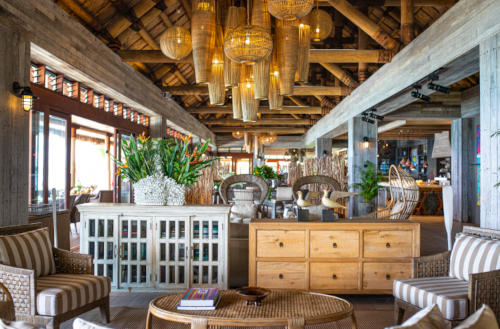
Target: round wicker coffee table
[(282, 308)]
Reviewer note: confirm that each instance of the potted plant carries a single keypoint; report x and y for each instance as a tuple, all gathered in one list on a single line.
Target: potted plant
[(269, 175), (368, 188), (160, 170)]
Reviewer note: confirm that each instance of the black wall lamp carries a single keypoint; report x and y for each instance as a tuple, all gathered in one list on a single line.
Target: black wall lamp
[(366, 142), (417, 94), (25, 94)]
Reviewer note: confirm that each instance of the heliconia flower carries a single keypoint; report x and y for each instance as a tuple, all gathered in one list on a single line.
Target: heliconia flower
[(187, 138), (142, 137), (119, 171)]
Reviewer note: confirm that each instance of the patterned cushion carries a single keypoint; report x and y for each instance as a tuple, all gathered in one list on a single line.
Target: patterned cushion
[(60, 293), (473, 255), (29, 250), (449, 294), (481, 319)]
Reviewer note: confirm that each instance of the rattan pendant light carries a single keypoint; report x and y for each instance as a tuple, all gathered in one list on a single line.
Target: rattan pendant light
[(236, 102), (321, 24), (267, 139), (287, 33), (275, 99), (262, 18), (248, 44), (238, 134), (235, 17), (176, 42), (249, 105), (216, 87), (290, 9), (203, 34), (302, 74)]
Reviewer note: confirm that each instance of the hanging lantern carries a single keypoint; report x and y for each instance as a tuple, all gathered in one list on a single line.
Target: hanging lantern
[(302, 74), (236, 100), (267, 139), (288, 52), (248, 44), (289, 9), (176, 43), (238, 134), (275, 99), (216, 87), (203, 35), (235, 17), (261, 17), (249, 105), (321, 24)]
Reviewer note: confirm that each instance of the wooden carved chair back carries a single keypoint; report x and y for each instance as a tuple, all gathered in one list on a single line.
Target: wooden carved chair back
[(332, 183), (225, 186)]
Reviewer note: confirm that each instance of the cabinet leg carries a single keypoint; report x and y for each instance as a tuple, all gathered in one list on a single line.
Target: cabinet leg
[(354, 324)]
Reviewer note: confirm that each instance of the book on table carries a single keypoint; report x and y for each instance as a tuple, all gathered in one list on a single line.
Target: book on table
[(200, 297), (200, 308)]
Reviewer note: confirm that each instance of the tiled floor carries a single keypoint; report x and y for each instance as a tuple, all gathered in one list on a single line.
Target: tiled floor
[(372, 311)]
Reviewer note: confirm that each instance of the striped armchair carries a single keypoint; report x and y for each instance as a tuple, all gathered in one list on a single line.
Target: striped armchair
[(459, 282), (48, 285)]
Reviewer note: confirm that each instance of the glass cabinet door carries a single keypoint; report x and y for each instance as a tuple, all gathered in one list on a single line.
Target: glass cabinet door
[(172, 252), (206, 252), (135, 252), (101, 233)]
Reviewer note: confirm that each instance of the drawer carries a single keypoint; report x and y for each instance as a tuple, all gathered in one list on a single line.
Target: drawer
[(381, 275), (281, 243), (341, 276), (388, 244), (281, 275), (334, 244)]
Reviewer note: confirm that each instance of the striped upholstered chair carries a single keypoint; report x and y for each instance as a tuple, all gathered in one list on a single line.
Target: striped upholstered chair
[(459, 282), (48, 285)]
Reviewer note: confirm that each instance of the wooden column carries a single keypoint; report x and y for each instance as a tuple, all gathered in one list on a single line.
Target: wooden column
[(14, 134), (73, 156), (463, 173), (158, 127), (323, 147), (489, 74), (107, 144), (407, 33), (357, 155)]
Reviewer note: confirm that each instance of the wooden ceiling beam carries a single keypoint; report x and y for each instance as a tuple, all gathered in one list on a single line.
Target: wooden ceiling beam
[(407, 30), (121, 22), (192, 90), (396, 3), (260, 122), (308, 110), (258, 130), (315, 56), (341, 74)]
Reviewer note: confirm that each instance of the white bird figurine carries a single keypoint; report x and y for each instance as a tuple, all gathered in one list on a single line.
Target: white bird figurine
[(329, 203), (301, 202), (335, 195)]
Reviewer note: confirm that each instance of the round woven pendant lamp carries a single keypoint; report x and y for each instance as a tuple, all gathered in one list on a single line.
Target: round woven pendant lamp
[(235, 17), (287, 34), (216, 87), (248, 44), (203, 35), (289, 9), (249, 105), (236, 102), (176, 43), (302, 74), (275, 99), (267, 139), (238, 134), (321, 25)]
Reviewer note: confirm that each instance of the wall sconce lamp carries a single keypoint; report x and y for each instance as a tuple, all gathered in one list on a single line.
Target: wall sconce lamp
[(366, 142), (25, 94)]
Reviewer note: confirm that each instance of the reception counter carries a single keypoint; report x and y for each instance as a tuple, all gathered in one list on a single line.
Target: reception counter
[(343, 257), (157, 247)]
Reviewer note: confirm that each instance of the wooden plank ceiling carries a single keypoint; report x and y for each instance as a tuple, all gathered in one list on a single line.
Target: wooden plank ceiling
[(127, 26)]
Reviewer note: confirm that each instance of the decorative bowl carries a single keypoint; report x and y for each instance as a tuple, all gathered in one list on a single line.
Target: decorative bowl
[(253, 295)]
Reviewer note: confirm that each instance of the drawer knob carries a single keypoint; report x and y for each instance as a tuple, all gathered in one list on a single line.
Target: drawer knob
[(334, 245), (334, 276), (387, 245), (280, 276), (281, 244), (387, 276)]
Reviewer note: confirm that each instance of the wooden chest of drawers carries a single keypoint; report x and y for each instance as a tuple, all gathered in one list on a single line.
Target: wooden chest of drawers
[(345, 257)]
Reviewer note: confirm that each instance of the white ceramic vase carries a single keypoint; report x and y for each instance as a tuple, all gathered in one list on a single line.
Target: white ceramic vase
[(153, 190)]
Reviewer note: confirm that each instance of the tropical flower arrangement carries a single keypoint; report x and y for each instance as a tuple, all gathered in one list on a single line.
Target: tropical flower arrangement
[(160, 167)]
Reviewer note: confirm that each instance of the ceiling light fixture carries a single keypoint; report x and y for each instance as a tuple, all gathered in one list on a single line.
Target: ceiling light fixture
[(417, 94)]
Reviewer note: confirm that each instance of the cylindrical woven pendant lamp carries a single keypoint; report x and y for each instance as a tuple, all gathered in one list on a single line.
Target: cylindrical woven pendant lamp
[(262, 18), (302, 74), (249, 105), (235, 17), (287, 34), (176, 42), (289, 9), (203, 35), (216, 87), (275, 99), (321, 24), (236, 100), (260, 15)]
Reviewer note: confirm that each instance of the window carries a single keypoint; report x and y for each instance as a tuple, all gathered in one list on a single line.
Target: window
[(37, 145), (57, 159)]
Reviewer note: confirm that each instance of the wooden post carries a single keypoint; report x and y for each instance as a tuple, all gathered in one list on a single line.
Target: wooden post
[(323, 147), (107, 144), (362, 44), (73, 155), (407, 33), (69, 158), (158, 127), (357, 154), (489, 75)]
